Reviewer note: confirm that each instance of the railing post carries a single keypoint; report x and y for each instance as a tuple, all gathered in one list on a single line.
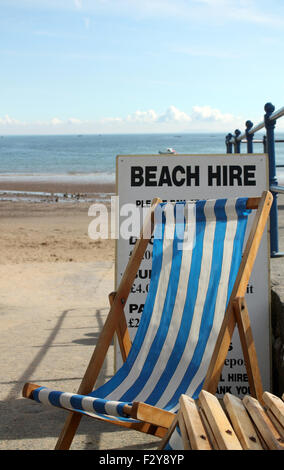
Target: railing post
[(229, 144), (249, 137), (237, 143), (264, 144), (270, 148)]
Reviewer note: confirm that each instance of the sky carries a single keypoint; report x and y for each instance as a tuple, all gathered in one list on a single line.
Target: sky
[(120, 66)]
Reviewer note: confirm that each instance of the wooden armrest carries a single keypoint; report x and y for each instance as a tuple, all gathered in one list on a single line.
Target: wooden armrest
[(151, 414), (28, 390)]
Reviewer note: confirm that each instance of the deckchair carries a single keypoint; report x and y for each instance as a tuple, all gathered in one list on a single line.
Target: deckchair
[(195, 299)]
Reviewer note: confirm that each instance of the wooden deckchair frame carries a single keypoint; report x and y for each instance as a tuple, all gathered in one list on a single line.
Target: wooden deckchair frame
[(154, 420)]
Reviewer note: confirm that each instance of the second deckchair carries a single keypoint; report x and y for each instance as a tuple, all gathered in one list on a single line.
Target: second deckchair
[(194, 301)]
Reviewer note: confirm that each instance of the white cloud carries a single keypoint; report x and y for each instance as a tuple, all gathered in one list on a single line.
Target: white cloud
[(8, 121), (173, 114), (74, 121), (143, 116), (55, 121), (110, 120), (200, 118), (206, 113)]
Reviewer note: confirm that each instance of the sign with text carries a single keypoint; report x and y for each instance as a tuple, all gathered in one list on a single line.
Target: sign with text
[(140, 179)]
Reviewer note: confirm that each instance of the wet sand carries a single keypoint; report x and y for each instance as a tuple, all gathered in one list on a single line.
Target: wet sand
[(56, 187)]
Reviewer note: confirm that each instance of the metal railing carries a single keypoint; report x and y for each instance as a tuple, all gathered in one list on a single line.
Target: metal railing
[(233, 142)]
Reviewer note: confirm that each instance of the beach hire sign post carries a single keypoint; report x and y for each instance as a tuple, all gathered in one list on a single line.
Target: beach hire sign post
[(140, 179)]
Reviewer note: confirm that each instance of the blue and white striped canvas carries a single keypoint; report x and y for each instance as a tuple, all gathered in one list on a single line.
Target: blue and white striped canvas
[(197, 251)]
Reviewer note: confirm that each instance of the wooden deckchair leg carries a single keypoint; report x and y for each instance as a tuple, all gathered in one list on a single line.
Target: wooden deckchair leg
[(107, 333), (220, 352), (226, 332), (169, 433), (122, 332), (248, 347), (239, 316), (68, 432)]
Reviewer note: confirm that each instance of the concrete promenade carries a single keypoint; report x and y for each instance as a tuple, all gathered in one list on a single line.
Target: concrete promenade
[(48, 339)]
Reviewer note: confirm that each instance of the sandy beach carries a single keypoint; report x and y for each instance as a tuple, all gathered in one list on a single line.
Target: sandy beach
[(49, 232), (54, 286)]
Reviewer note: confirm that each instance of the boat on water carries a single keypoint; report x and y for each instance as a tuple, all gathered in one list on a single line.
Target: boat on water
[(169, 151)]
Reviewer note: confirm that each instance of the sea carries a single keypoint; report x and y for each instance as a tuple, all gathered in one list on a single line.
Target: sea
[(92, 158)]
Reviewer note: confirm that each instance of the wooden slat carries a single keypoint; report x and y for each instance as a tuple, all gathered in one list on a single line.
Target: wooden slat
[(183, 431), (263, 423), (276, 405), (242, 423), (230, 424), (194, 426), (276, 423), (220, 425), (208, 429)]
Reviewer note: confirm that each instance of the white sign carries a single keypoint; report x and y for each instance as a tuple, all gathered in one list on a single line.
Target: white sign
[(140, 179)]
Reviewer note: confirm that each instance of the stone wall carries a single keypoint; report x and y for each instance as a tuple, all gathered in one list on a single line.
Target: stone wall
[(277, 343), (277, 306)]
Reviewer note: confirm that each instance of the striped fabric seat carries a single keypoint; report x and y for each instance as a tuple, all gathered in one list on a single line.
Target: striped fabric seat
[(197, 251)]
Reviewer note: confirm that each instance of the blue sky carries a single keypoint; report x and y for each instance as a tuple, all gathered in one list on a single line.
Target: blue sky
[(95, 66)]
